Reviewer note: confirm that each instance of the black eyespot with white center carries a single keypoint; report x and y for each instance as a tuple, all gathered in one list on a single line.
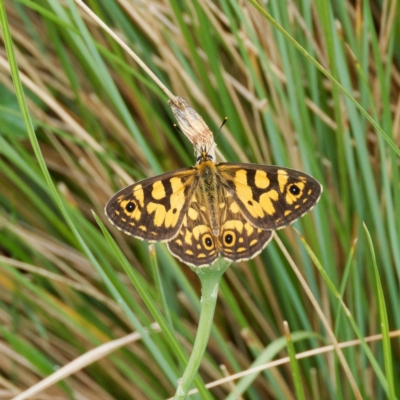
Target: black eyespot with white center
[(294, 190), (229, 238), (208, 242), (130, 206)]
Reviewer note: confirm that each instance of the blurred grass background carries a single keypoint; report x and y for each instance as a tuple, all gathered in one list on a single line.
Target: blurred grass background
[(101, 123)]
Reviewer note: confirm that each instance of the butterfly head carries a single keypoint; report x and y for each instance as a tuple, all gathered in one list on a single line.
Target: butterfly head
[(204, 156)]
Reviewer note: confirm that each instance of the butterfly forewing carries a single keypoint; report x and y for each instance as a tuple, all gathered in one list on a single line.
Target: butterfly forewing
[(153, 209), (270, 197)]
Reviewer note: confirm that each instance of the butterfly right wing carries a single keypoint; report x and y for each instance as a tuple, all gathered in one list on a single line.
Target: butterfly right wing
[(269, 196), (238, 239), (153, 209)]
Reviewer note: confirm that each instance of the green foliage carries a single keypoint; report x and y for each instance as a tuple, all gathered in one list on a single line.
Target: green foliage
[(305, 85)]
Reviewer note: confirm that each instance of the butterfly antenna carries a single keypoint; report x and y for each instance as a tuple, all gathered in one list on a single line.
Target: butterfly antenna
[(219, 130), (222, 125)]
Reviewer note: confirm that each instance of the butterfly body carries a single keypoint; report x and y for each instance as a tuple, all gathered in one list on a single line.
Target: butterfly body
[(212, 210)]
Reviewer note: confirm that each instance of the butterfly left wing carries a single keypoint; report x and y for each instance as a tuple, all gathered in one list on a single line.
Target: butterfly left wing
[(153, 209), (195, 244), (270, 197)]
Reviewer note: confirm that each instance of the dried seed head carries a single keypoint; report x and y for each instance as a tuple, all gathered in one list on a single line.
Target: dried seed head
[(193, 127)]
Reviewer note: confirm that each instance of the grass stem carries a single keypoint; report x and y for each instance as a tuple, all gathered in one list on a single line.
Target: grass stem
[(210, 278)]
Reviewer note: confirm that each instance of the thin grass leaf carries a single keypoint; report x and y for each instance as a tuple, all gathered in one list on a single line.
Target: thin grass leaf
[(384, 323)]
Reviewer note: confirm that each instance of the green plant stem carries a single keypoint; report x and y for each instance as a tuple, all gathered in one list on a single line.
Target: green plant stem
[(210, 278)]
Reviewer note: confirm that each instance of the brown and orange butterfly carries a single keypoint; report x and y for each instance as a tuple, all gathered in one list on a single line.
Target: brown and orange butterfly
[(211, 210)]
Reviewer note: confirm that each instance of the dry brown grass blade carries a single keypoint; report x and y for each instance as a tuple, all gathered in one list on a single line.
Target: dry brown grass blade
[(82, 362)]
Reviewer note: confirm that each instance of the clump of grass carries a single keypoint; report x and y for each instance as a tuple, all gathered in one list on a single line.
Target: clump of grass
[(101, 123)]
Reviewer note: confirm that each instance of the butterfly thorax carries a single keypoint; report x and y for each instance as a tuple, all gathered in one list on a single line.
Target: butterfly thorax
[(208, 186)]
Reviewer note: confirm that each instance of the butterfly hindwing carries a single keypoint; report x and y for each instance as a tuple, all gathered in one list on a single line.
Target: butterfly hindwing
[(238, 239), (270, 197), (153, 209), (195, 244)]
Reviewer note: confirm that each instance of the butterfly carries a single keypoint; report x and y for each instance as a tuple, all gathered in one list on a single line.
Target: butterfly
[(212, 210)]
